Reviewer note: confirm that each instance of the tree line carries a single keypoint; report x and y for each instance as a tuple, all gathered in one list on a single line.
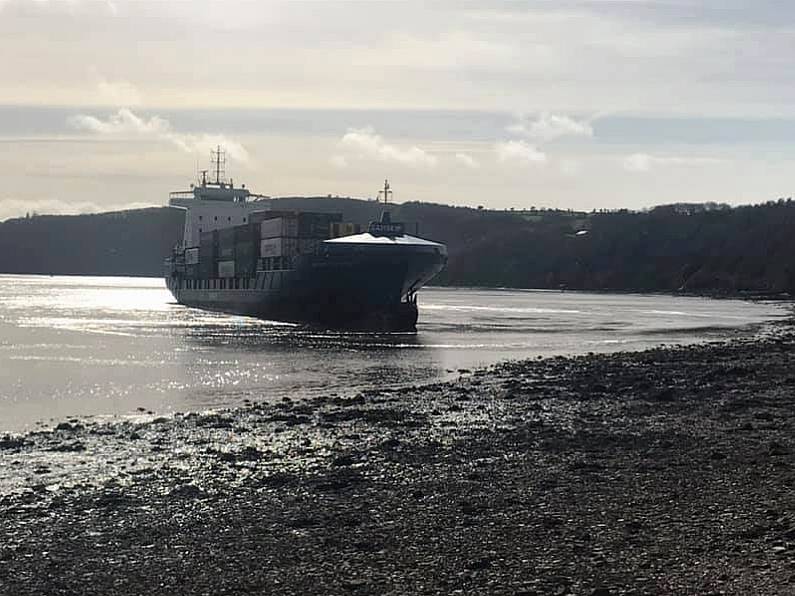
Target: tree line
[(681, 247)]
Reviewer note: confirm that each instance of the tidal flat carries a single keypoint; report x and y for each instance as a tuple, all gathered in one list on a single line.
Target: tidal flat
[(663, 471)]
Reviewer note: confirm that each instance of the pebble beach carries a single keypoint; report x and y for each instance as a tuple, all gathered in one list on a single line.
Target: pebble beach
[(667, 471)]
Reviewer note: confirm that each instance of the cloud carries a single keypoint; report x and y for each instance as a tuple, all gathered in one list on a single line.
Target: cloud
[(365, 143), (548, 127), (519, 152), (118, 93), (338, 161), (126, 123), (572, 55), (569, 167), (467, 160), (122, 122), (59, 6), (10, 208), (644, 162)]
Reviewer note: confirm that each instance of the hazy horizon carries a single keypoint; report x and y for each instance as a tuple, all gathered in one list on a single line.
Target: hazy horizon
[(574, 105)]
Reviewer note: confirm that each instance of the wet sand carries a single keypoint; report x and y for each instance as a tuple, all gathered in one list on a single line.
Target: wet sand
[(667, 471)]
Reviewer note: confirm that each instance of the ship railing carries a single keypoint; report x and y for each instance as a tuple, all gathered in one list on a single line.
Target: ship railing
[(189, 194)]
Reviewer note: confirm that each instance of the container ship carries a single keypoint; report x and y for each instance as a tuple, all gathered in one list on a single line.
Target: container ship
[(239, 256)]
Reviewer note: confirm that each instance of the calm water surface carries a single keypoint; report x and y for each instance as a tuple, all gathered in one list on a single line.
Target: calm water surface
[(81, 345)]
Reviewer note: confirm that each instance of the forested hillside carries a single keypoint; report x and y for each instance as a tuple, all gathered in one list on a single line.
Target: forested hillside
[(717, 249), (118, 243)]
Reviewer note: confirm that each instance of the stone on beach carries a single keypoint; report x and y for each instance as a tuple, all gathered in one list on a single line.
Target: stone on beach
[(663, 471)]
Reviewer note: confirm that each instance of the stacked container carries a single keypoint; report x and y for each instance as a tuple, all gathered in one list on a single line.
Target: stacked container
[(278, 247), (226, 269), (279, 227), (226, 244), (279, 241), (341, 229), (270, 240), (208, 254), (246, 250)]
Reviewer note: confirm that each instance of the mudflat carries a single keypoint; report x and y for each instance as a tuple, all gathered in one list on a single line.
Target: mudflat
[(668, 471)]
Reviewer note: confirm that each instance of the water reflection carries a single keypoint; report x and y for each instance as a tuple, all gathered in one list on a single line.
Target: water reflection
[(72, 346)]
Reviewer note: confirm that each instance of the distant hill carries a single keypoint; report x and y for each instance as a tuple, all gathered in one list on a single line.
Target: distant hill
[(700, 248), (118, 243)]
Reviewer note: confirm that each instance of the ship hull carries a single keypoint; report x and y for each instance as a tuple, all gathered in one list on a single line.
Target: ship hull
[(370, 289)]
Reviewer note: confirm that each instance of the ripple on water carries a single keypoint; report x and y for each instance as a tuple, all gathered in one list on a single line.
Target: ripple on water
[(76, 346)]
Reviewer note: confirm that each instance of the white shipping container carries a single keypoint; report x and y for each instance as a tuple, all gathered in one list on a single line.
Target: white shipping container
[(279, 227), (191, 256), (271, 228), (278, 247), (226, 268)]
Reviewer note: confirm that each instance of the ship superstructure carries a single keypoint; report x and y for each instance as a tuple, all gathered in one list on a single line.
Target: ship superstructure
[(214, 204), (240, 256)]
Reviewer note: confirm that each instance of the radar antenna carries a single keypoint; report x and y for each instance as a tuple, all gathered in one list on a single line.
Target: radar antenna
[(386, 192), (218, 159)]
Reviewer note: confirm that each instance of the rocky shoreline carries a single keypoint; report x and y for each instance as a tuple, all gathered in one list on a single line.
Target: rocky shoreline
[(660, 472)]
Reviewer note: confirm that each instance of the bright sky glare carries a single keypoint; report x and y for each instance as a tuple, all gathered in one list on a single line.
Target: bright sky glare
[(573, 104)]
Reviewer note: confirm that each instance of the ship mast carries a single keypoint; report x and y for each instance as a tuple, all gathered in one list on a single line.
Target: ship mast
[(218, 159), (386, 192)]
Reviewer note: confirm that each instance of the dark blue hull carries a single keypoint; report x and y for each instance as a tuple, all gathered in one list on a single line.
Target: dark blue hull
[(364, 288)]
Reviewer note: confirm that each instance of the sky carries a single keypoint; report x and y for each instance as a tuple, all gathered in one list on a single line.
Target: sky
[(573, 104)]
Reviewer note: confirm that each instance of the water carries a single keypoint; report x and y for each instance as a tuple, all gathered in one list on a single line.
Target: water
[(73, 346)]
